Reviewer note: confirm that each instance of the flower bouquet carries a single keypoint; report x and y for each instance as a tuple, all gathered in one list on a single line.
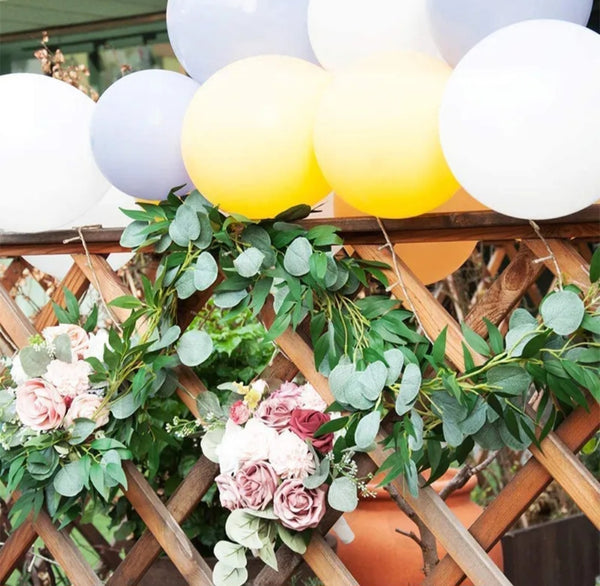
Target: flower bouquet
[(278, 460)]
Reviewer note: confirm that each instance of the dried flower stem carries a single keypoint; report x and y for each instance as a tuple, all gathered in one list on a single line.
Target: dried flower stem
[(551, 256)]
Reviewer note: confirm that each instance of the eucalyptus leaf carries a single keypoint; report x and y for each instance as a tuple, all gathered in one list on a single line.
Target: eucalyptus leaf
[(395, 362), (229, 299), (185, 285), (297, 257), (409, 388), (248, 263), (415, 442), (373, 380), (70, 480), (243, 529), (476, 419), (521, 317), (124, 406), (367, 430), (168, 338), (452, 433), (447, 407), (231, 554), (518, 337), (342, 495), (62, 348), (267, 554), (511, 379), (209, 406), (206, 271), (488, 437), (339, 378), (134, 234), (194, 347), (295, 541), (81, 430), (185, 227), (319, 476), (563, 312), (224, 575), (34, 361), (209, 443)]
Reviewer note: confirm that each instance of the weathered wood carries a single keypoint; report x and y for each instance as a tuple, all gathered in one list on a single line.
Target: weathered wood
[(181, 504), (16, 546), (14, 321), (514, 499), (13, 273), (165, 528), (326, 565)]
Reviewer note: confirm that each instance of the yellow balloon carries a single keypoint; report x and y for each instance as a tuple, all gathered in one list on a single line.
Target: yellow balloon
[(430, 261), (377, 136), (247, 137)]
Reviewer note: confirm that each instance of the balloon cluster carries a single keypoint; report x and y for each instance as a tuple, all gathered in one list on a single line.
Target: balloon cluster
[(384, 122)]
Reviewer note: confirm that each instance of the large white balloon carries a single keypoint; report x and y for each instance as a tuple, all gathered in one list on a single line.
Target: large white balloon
[(48, 175), (105, 213), (344, 31), (519, 119)]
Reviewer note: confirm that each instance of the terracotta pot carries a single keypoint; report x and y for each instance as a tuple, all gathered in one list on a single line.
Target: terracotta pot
[(379, 556)]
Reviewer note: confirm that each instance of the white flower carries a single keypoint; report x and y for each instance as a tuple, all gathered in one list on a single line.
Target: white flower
[(290, 456), (69, 378), (98, 342), (16, 372), (257, 441), (228, 451), (310, 399)]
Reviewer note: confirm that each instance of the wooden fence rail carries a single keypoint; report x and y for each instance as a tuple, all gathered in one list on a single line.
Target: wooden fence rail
[(522, 254)]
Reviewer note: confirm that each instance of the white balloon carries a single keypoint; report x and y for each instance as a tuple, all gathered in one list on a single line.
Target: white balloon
[(47, 171), (344, 31), (519, 121), (105, 213)]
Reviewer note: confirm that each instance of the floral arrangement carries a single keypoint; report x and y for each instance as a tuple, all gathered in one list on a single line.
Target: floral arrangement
[(278, 462)]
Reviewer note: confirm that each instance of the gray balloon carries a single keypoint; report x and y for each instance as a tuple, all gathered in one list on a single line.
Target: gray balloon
[(458, 25)]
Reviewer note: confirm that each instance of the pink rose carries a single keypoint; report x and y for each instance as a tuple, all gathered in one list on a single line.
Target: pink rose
[(86, 406), (288, 390), (239, 413), (298, 507), (276, 411), (80, 340), (256, 482), (290, 456), (310, 399), (70, 378), (305, 423), (229, 495), (39, 405)]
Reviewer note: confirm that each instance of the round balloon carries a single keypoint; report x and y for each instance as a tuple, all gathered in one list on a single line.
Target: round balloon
[(207, 35), (248, 136), (344, 31), (106, 213), (136, 132), (429, 261), (377, 135), (519, 120), (47, 171), (458, 25)]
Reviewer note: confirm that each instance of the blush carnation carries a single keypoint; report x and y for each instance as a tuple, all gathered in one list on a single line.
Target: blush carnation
[(276, 411), (80, 340), (310, 399), (290, 456), (39, 405), (305, 423), (288, 390), (256, 483), (86, 406), (239, 413), (229, 494), (298, 507), (70, 378)]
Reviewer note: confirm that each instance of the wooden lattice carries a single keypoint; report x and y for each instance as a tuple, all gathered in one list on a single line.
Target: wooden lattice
[(524, 255)]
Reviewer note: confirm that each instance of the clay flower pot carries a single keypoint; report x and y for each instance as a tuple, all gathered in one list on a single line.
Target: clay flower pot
[(379, 556)]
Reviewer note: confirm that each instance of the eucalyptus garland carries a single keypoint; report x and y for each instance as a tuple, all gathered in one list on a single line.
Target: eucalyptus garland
[(382, 371)]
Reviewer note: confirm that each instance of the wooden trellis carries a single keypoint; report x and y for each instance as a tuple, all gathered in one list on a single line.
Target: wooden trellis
[(525, 256)]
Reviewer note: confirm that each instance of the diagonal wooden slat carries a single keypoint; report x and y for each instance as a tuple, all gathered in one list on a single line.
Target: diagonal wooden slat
[(16, 546)]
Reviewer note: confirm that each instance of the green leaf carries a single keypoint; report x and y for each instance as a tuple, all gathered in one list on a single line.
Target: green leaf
[(438, 352), (510, 379), (186, 284), (243, 528), (206, 271), (452, 433), (97, 479), (168, 338), (126, 302), (518, 337), (231, 554), (209, 406), (41, 465), (318, 265), (395, 362), (92, 320), (185, 227), (495, 337), (124, 406), (267, 554), (248, 263), (521, 317), (70, 480), (34, 361), (62, 348), (113, 467), (319, 476), (295, 213), (342, 495), (295, 541), (367, 430), (474, 340), (409, 389), (415, 439), (595, 266), (134, 234), (563, 312), (591, 323), (331, 426), (82, 429), (229, 299), (297, 257), (224, 575), (194, 347), (373, 380), (447, 407)]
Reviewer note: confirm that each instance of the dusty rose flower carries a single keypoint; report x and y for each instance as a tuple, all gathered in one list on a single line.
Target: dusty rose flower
[(310, 399), (290, 456), (276, 412), (256, 482), (239, 413), (39, 405), (256, 441), (70, 378), (288, 390), (298, 507), (80, 340), (229, 494), (86, 406), (305, 422)]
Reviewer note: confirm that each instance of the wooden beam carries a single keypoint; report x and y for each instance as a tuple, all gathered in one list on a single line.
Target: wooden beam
[(16, 546)]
